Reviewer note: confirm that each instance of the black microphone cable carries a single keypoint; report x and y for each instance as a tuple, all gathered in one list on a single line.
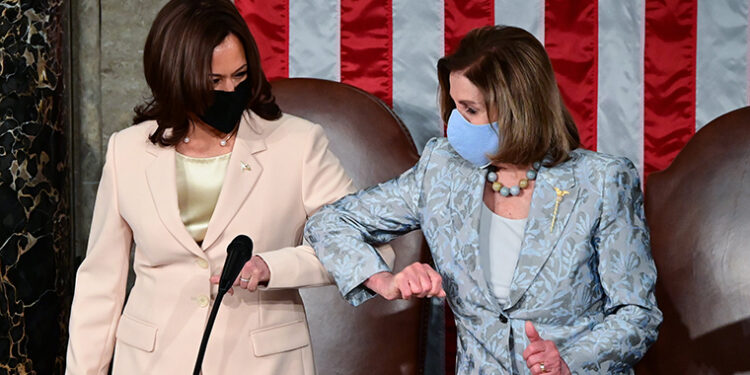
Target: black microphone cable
[(239, 251)]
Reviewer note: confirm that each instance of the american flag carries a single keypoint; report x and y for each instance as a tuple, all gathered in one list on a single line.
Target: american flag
[(640, 76)]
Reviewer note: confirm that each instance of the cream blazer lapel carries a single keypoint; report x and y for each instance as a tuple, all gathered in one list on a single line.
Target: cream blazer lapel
[(243, 172), (162, 182)]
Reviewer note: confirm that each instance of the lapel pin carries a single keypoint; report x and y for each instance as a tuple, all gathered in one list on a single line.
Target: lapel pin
[(558, 199), (245, 166)]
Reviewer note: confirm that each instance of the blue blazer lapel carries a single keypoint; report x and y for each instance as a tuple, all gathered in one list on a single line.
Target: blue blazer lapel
[(465, 202), (552, 204)]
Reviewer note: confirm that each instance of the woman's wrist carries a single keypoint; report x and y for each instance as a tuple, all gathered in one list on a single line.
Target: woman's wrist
[(382, 284), (376, 281)]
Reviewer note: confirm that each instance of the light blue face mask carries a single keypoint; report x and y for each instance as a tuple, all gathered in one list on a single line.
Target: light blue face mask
[(472, 142)]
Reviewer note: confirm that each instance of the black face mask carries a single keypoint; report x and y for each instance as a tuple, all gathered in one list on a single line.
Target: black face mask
[(226, 110)]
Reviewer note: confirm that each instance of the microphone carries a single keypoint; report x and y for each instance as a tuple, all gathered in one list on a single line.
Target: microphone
[(239, 252)]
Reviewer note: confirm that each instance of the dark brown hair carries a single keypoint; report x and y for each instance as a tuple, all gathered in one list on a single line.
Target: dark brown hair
[(177, 64), (512, 70)]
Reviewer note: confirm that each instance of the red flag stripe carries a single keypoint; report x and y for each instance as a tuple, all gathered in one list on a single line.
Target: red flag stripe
[(367, 46), (461, 16), (669, 80), (571, 38), (268, 21)]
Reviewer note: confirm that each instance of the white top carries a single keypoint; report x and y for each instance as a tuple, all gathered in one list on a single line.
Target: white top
[(500, 241)]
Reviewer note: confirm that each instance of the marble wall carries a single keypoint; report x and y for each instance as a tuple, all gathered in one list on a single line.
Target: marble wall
[(34, 188)]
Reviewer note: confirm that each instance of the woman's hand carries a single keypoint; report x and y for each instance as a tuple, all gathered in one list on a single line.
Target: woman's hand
[(254, 272), (542, 356), (417, 279)]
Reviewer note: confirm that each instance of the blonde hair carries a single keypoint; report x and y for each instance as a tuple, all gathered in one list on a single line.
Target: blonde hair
[(512, 69)]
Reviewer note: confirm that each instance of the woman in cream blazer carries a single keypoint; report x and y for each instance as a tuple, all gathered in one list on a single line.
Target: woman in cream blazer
[(279, 172)]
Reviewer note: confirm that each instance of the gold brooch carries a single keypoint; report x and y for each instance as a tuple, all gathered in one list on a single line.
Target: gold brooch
[(558, 199), (245, 166)]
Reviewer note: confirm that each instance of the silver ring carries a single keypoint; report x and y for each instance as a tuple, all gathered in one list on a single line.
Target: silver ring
[(244, 280)]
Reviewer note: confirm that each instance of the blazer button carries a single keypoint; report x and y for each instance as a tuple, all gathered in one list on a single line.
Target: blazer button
[(202, 301), (503, 319), (201, 263)]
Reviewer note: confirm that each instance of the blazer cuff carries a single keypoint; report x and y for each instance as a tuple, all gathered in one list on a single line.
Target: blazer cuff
[(353, 289), (271, 260), (289, 270)]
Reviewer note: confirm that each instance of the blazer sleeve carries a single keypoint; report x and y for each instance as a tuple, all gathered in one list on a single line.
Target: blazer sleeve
[(101, 280), (323, 181), (627, 274), (341, 233)]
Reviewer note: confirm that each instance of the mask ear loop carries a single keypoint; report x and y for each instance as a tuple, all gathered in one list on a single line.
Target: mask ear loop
[(496, 129)]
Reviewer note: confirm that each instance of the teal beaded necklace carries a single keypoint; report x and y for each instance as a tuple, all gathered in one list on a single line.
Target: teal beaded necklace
[(513, 190)]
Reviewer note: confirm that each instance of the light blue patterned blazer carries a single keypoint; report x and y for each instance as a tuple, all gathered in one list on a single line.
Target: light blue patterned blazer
[(584, 277)]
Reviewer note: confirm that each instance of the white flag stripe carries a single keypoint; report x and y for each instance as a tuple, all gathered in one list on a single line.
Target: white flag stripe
[(526, 14), (315, 39), (418, 40), (620, 79), (721, 59)]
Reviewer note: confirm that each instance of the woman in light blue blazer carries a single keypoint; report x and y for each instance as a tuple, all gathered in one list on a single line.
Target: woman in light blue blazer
[(541, 247)]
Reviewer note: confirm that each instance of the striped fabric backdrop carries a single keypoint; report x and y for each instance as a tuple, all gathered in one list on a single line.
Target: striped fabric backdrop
[(639, 76)]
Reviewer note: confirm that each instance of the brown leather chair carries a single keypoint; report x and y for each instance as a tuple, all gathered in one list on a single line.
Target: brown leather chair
[(698, 210), (379, 337)]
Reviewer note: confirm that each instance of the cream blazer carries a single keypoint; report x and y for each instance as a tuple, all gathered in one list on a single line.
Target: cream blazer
[(279, 173)]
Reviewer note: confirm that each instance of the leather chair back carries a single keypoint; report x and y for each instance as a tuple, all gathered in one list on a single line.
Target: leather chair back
[(698, 210), (379, 337)]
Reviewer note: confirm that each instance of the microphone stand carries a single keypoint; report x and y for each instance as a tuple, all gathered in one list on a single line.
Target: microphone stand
[(207, 333)]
